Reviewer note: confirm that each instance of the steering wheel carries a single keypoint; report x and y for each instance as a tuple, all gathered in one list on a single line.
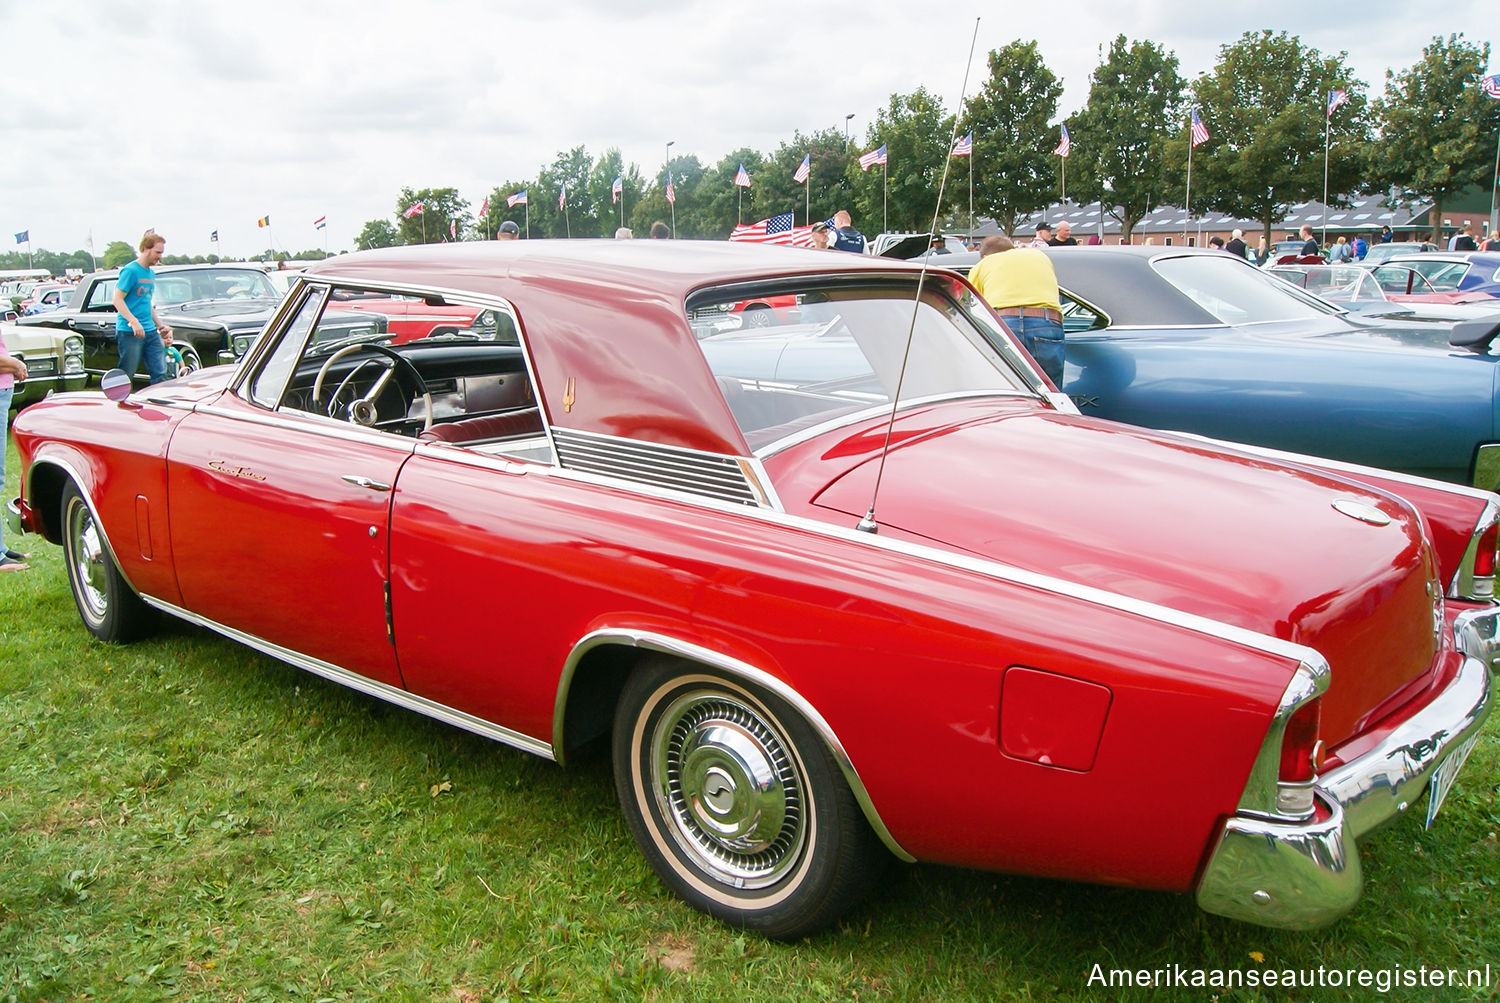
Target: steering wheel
[(362, 411)]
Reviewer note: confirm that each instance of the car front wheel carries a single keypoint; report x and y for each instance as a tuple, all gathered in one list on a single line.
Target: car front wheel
[(737, 803), (110, 608)]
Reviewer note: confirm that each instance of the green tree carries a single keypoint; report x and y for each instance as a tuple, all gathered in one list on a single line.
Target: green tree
[(1121, 135), (903, 194), (377, 233), (1437, 127), (653, 205), (1265, 106), (117, 253), (440, 208), (720, 203), (612, 211), (1009, 117)]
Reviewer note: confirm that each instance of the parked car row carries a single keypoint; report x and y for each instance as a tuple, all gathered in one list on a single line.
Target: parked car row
[(856, 587)]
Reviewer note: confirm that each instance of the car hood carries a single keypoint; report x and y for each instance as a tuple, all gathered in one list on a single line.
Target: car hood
[(1165, 519)]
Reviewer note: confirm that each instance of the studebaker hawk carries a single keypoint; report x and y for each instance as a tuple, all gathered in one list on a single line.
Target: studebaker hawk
[(922, 610)]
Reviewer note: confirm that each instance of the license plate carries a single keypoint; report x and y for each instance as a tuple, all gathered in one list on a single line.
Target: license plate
[(1443, 776)]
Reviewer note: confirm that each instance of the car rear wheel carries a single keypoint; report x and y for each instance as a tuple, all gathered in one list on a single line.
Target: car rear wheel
[(737, 803), (109, 607)]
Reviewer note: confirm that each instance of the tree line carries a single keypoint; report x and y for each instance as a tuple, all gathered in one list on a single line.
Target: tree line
[(1430, 135)]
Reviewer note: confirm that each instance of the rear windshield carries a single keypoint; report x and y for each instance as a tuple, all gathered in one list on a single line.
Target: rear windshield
[(1236, 293), (789, 358)]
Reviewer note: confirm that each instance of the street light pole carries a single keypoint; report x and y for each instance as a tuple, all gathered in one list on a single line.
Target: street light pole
[(671, 203), (846, 129)]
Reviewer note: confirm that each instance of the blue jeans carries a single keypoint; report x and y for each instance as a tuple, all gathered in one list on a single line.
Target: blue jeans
[(1043, 338), (133, 349)]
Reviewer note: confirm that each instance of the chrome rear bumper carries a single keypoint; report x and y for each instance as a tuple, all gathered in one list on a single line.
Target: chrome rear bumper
[(1303, 875)]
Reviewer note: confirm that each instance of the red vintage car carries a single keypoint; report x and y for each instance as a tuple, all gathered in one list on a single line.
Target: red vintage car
[(911, 605), (412, 317)]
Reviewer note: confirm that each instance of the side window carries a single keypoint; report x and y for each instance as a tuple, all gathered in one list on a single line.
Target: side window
[(1078, 318), (270, 383), (101, 297)]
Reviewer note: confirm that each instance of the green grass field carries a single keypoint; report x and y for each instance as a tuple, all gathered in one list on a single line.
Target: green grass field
[(186, 819)]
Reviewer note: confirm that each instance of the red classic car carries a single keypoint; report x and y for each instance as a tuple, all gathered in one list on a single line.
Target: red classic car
[(913, 606), (411, 317)]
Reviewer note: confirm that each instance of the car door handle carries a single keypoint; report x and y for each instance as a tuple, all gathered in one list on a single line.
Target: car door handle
[(365, 482)]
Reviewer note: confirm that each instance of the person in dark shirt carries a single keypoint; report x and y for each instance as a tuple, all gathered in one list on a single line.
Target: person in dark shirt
[(1236, 244), (1064, 236), (1309, 242)]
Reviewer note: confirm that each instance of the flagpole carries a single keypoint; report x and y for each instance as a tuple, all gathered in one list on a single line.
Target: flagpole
[(1327, 122), (807, 192), (971, 190), (1495, 188), (1187, 195), (885, 198), (527, 204)]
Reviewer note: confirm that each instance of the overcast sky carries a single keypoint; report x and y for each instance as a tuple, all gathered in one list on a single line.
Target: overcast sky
[(198, 115)]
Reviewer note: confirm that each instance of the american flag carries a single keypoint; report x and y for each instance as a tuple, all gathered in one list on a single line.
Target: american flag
[(1491, 85), (803, 169), (964, 147), (519, 198), (562, 197), (484, 209), (415, 210), (1064, 145), (1336, 97), (875, 156), (321, 223), (618, 187), (1198, 130), (742, 178), (453, 228), (776, 230), (671, 193)]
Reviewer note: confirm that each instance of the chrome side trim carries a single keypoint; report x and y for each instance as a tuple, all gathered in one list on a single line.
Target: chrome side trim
[(1340, 466), (1296, 653), (734, 667), (370, 687)]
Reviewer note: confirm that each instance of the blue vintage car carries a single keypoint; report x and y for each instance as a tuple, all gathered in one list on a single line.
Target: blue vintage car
[(1201, 341)]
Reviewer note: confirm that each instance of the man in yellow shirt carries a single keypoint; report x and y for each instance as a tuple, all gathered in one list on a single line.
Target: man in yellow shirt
[(1021, 284)]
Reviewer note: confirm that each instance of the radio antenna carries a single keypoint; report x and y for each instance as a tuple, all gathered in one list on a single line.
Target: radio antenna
[(868, 523)]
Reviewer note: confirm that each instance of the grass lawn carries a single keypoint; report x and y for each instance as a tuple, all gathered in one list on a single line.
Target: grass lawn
[(185, 819)]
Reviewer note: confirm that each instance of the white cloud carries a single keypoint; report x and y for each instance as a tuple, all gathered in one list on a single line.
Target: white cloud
[(191, 116)]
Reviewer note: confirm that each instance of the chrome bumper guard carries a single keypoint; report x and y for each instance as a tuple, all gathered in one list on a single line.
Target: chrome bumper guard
[(1303, 875), (13, 517)]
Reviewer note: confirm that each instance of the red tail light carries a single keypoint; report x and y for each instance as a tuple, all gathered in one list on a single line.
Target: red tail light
[(1301, 751), (1484, 556)]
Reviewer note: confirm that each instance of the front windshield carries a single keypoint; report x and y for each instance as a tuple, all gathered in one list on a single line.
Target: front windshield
[(173, 288), (823, 352), (1236, 294)]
